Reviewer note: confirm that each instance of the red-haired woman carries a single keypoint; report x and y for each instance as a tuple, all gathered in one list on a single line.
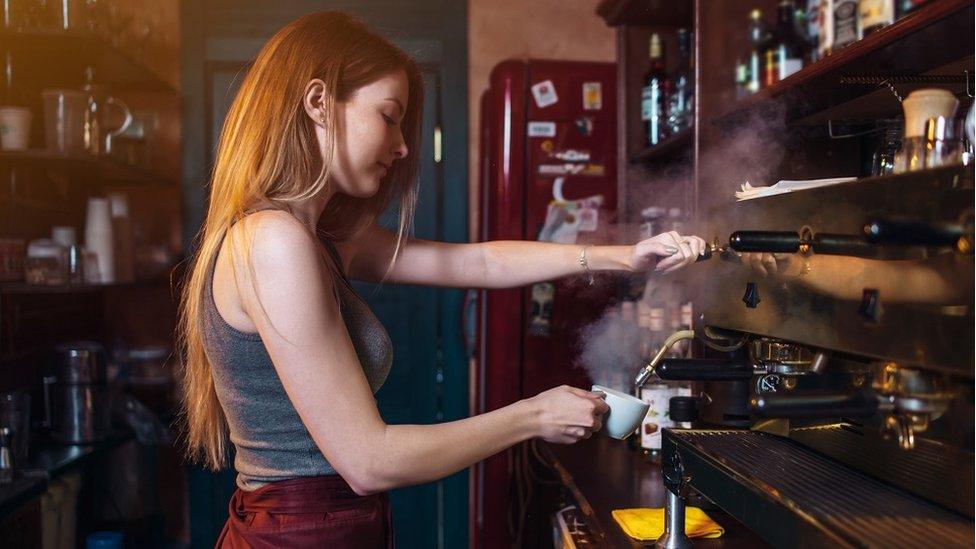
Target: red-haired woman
[(282, 358)]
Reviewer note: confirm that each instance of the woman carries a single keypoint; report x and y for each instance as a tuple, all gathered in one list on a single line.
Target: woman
[(282, 359)]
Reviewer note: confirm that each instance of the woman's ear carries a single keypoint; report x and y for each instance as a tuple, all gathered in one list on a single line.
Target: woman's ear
[(314, 101)]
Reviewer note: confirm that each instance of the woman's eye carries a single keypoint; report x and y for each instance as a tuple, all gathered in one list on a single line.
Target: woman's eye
[(389, 120)]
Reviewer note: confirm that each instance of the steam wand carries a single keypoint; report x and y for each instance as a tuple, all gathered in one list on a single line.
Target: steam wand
[(648, 370)]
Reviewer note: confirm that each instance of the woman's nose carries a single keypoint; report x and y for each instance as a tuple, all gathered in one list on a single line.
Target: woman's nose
[(401, 149)]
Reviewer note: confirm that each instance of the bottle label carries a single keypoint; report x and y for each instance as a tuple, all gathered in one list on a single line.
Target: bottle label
[(789, 66), (647, 103), (658, 396), (656, 320), (845, 22), (876, 13)]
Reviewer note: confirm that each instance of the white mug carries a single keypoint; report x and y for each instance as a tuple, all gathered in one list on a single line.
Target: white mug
[(626, 412), (15, 123)]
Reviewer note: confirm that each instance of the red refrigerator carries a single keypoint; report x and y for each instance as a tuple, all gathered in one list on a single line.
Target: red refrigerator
[(544, 124)]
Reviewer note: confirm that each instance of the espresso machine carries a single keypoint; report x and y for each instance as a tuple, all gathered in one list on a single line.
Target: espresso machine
[(837, 401)]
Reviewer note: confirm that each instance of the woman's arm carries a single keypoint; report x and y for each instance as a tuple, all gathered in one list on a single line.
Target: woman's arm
[(504, 263), (296, 313)]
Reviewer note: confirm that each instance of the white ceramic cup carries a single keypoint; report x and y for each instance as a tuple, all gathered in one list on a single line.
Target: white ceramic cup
[(15, 123), (626, 412)]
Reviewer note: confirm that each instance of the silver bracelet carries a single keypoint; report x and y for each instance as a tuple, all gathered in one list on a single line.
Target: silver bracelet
[(585, 264)]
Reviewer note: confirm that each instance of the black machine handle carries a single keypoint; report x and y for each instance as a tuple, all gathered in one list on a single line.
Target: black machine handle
[(814, 405), (912, 232), (765, 241), (843, 244), (703, 369), (790, 242)]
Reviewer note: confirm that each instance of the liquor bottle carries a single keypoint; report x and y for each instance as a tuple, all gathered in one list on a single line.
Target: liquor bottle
[(825, 41), (874, 15), (682, 94), (845, 23), (813, 29), (905, 7), (759, 38), (652, 96), (741, 79), (655, 392), (790, 47)]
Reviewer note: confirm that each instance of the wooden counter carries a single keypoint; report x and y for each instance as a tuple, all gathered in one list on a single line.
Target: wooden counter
[(604, 474)]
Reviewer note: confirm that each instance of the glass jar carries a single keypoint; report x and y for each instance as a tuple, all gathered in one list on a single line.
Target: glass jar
[(46, 263)]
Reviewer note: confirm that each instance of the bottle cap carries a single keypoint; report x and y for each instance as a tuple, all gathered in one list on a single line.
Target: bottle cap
[(655, 49)]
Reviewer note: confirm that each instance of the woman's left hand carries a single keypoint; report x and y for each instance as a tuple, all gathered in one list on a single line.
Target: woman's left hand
[(677, 251)]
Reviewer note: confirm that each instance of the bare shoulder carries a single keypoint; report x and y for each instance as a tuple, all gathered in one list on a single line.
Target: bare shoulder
[(283, 254)]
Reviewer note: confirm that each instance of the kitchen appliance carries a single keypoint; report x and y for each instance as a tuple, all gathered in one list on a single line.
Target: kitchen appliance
[(77, 399), (548, 130), (853, 365)]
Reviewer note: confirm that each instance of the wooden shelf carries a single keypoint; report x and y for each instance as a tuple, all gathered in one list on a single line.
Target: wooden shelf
[(95, 168), (22, 288), (55, 58), (905, 48), (669, 149), (646, 12)]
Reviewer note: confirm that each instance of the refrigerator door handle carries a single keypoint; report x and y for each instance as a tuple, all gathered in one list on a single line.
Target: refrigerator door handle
[(469, 321)]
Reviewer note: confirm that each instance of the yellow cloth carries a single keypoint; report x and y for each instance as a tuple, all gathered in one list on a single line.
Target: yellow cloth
[(648, 524)]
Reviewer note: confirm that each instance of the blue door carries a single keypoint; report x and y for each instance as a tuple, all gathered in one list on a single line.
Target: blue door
[(423, 387)]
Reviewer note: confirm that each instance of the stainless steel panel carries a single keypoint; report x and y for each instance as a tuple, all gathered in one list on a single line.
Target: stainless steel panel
[(820, 308)]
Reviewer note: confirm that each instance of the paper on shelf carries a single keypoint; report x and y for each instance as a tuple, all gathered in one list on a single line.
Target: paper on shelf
[(747, 191)]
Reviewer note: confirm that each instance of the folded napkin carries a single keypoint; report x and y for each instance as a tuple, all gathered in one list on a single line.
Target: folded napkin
[(648, 524), (747, 191)]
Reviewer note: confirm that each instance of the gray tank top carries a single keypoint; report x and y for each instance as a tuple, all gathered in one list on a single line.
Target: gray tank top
[(271, 443)]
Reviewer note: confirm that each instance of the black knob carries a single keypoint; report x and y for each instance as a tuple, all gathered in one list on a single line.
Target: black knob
[(751, 297), (870, 308), (683, 409)]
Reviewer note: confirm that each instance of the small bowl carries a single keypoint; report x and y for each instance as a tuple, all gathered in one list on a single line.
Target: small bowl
[(625, 415)]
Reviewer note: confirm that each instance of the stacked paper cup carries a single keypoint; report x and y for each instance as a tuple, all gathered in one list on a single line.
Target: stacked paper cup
[(98, 237)]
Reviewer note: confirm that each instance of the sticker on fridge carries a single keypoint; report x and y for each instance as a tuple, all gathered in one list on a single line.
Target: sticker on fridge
[(542, 129), (588, 219), (545, 94), (592, 96), (572, 168)]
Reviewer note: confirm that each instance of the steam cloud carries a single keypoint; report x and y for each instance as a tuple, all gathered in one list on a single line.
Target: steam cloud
[(752, 151)]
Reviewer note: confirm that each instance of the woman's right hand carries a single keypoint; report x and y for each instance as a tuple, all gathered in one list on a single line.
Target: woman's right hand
[(565, 414)]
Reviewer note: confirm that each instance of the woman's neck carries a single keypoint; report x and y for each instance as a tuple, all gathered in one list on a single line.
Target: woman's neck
[(307, 211)]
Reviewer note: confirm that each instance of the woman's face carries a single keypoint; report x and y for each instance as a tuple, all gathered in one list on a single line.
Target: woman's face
[(369, 138)]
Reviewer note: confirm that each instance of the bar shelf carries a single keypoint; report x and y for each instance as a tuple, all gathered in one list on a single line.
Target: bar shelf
[(59, 59), (646, 12), (904, 49), (670, 148), (93, 168)]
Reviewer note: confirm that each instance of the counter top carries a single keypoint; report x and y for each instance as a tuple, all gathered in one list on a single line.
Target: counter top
[(49, 461), (604, 474)]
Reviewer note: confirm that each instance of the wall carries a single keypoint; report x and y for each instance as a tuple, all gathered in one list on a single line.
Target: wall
[(543, 29)]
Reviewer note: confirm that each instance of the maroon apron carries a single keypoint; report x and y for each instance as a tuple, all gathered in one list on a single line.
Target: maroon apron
[(307, 512)]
